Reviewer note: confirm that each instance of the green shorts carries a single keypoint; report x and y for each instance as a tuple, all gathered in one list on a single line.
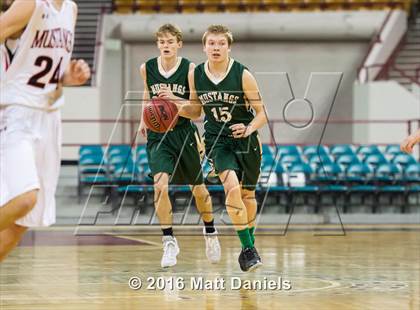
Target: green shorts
[(177, 153), (241, 155)]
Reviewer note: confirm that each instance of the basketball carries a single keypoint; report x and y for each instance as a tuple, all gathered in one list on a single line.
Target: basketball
[(160, 115)]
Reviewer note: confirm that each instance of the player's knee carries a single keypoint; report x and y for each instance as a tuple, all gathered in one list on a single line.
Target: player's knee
[(247, 195), (233, 191), (200, 192), (161, 188)]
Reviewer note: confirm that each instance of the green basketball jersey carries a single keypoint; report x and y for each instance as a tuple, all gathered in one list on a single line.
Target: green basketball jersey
[(177, 82), (224, 103)]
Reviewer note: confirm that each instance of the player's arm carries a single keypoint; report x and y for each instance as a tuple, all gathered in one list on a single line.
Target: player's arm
[(146, 97), (408, 144), (194, 107), (186, 108), (252, 94), (16, 18)]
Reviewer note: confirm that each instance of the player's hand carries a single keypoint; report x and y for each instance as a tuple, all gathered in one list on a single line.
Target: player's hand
[(78, 73), (166, 93), (408, 144), (143, 129), (240, 130)]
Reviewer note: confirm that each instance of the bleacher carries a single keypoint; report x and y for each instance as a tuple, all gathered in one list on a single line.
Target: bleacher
[(199, 6), (291, 175)]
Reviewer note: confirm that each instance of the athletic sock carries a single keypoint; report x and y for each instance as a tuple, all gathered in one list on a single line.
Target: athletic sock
[(167, 231), (251, 232), (245, 238), (209, 227)]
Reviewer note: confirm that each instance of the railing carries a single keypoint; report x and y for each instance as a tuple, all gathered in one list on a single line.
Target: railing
[(376, 39), (385, 68), (98, 46), (133, 125)]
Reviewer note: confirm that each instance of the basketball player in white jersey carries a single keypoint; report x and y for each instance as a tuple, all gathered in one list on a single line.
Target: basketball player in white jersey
[(30, 124)]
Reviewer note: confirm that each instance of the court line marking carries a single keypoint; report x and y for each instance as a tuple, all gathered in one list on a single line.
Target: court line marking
[(135, 239)]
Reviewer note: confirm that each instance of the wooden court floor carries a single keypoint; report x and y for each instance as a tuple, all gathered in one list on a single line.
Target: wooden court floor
[(365, 269)]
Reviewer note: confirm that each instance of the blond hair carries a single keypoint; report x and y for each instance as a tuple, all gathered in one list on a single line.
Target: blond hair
[(171, 29), (218, 29)]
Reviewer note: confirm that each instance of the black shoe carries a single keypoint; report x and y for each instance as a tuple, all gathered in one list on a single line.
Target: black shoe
[(254, 249), (249, 259)]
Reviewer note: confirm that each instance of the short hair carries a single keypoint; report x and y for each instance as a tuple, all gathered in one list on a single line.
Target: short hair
[(218, 29), (171, 29)]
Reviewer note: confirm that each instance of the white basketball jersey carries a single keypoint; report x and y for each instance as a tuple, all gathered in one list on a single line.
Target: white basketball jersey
[(7, 51), (43, 55)]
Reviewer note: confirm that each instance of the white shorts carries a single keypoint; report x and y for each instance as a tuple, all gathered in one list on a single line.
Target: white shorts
[(30, 152)]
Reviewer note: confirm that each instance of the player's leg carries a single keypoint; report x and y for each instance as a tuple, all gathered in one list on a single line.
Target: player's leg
[(163, 209), (19, 181), (248, 259), (161, 200), (9, 238), (17, 208), (11, 233), (248, 197), (187, 143), (162, 164), (250, 161), (205, 208)]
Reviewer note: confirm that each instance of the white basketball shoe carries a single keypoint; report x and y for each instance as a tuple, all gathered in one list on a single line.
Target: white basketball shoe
[(170, 251), (213, 251)]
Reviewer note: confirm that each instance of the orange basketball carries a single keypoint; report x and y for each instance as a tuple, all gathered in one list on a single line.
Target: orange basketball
[(160, 115)]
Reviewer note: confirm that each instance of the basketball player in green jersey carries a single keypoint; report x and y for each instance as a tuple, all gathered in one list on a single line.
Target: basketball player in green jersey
[(234, 111), (174, 157)]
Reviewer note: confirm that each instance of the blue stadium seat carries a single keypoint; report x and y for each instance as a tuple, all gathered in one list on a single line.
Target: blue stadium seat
[(341, 149), (125, 173), (267, 149), (290, 159), (141, 160), (91, 163), (307, 170), (300, 167), (268, 161), (358, 172), (366, 150), (393, 149), (315, 149), (315, 161), (347, 160), (140, 149), (375, 159), (412, 173), (92, 169), (120, 160), (387, 172), (404, 160), (288, 150), (329, 173), (118, 149), (90, 150)]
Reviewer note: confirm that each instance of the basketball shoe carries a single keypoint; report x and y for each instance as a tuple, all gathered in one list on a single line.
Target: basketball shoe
[(170, 251), (213, 251), (249, 259)]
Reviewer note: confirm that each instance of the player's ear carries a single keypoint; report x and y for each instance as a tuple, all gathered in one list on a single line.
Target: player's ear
[(180, 44)]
